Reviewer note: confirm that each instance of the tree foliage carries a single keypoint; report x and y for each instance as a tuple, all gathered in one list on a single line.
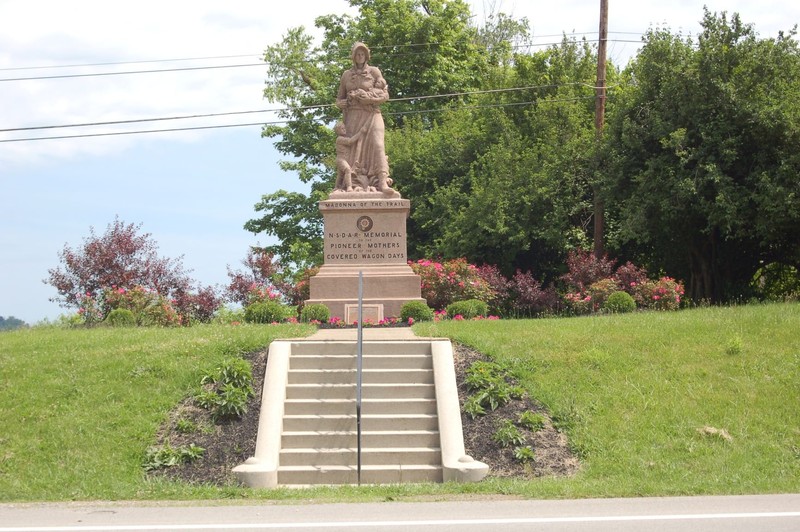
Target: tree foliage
[(424, 48), (120, 257), (10, 323), (496, 149), (704, 144)]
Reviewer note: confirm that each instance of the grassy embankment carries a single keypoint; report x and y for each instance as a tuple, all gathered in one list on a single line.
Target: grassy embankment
[(637, 394)]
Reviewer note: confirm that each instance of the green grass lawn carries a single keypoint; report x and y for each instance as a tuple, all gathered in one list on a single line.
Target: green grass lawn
[(634, 392), (78, 408)]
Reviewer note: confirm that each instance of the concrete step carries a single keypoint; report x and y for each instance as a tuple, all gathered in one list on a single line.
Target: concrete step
[(368, 376), (382, 474), (388, 406), (319, 361), (368, 348), (347, 439), (370, 391), (369, 456), (368, 422)]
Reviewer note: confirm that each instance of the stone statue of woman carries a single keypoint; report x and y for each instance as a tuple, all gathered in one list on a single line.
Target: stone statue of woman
[(361, 92)]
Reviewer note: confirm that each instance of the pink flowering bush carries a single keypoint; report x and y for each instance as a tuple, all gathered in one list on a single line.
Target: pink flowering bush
[(629, 276), (579, 303), (449, 281), (664, 294), (600, 290), (90, 310), (260, 292), (148, 306)]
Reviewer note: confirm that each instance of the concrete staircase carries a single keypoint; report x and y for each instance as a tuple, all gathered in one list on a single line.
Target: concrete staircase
[(411, 424), (400, 430)]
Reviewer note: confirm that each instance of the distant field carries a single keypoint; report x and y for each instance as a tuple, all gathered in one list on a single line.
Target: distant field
[(703, 401)]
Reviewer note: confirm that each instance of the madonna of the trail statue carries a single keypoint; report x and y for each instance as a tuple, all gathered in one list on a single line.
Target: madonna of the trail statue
[(361, 162), (364, 217)]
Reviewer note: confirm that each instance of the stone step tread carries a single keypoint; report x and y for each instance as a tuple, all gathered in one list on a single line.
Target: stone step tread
[(354, 432), (388, 406), (370, 348), (364, 400), (370, 376), (352, 384), (351, 359), (363, 416), (353, 370), (364, 467), (364, 450)]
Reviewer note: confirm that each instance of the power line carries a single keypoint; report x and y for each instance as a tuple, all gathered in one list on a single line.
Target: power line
[(96, 74), (138, 120), (212, 67), (236, 56), (282, 109), (276, 122), (117, 63)]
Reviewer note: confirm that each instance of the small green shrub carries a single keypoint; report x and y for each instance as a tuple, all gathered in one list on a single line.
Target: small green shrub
[(620, 302), (524, 454), (473, 407), (508, 434), (316, 312), (185, 426), (482, 374), (734, 346), (491, 389), (532, 421), (416, 310), (266, 312), (471, 308), (226, 389), (121, 317), (168, 456), (227, 316)]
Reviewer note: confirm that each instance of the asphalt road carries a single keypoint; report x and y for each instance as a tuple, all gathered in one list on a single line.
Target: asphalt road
[(774, 513)]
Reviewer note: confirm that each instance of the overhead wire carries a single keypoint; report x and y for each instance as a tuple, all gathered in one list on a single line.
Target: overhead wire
[(528, 45), (235, 56), (276, 122), (297, 108), (118, 63), (210, 115)]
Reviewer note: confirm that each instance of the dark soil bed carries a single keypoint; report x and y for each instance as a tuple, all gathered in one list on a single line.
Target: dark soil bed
[(229, 443)]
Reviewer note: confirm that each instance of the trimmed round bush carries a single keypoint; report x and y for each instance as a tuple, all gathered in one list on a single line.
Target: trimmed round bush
[(121, 317), (418, 310), (266, 312), (317, 311), (471, 308), (620, 302)]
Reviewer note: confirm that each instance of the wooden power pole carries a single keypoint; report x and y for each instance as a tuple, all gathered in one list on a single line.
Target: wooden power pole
[(599, 121)]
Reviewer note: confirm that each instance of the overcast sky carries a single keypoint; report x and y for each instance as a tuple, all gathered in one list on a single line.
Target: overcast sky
[(193, 191)]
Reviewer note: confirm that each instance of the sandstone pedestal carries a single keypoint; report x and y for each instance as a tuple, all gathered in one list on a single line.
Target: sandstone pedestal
[(365, 233)]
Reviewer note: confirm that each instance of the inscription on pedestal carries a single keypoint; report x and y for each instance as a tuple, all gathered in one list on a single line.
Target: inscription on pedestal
[(365, 231)]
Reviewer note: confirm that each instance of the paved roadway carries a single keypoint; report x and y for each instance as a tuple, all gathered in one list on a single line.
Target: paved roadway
[(773, 513)]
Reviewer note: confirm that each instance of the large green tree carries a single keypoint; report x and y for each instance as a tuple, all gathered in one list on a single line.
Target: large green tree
[(492, 143), (704, 150), (505, 179)]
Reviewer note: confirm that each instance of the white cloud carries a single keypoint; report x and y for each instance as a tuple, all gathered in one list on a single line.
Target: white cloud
[(38, 33)]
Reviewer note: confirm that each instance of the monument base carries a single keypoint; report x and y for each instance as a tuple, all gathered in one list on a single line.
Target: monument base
[(386, 288), (365, 232)]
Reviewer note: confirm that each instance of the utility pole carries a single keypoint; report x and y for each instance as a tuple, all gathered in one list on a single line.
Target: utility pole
[(599, 122)]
